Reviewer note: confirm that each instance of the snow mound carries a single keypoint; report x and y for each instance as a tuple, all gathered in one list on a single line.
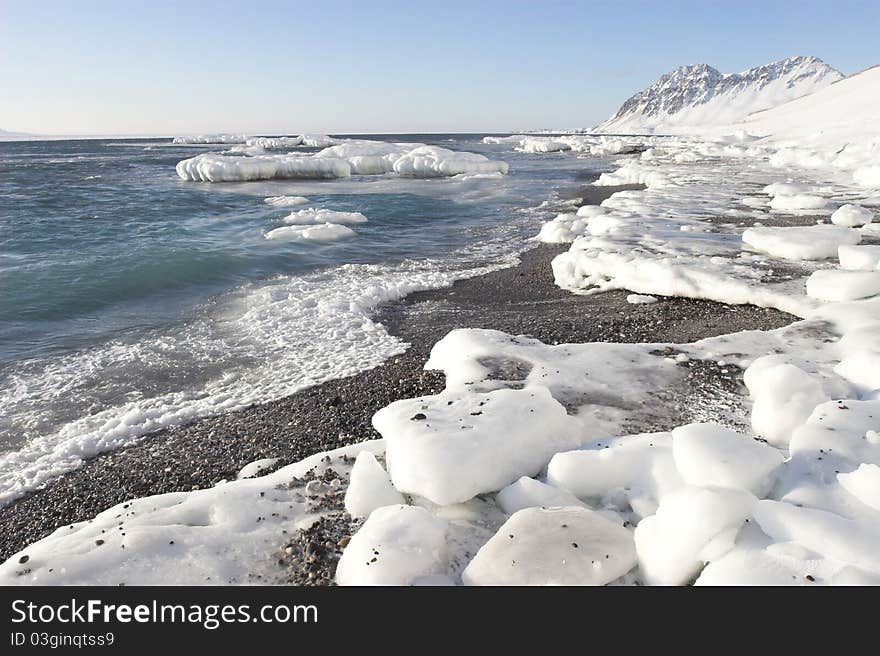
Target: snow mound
[(323, 232), (553, 546), (369, 487), (453, 446), (818, 242)]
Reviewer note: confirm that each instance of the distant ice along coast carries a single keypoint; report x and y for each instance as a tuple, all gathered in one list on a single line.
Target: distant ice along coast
[(339, 159)]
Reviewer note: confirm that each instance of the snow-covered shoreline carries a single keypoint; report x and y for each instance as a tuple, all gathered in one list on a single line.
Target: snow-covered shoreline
[(477, 463), (522, 471)]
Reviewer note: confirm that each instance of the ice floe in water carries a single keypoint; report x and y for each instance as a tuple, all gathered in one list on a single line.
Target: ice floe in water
[(313, 216), (319, 232), (286, 201), (210, 167), (338, 159)]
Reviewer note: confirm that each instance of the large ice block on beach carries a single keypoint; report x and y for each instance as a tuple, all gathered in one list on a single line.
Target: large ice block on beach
[(369, 487), (453, 446), (817, 242), (395, 546), (692, 526), (708, 454), (553, 546)]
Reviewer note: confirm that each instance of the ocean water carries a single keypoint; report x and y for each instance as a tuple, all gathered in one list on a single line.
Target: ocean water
[(131, 300)]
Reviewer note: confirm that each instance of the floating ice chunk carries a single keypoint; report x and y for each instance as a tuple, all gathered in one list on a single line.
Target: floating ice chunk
[(274, 142), (801, 243), (862, 369), (851, 216), (708, 454), (641, 299), (432, 162), (640, 468), (864, 484), (318, 140), (671, 544), (834, 285), (529, 493), (867, 176), (512, 139), (752, 201), (784, 398), (325, 232), (565, 228), (553, 546), (311, 216), (369, 157), (369, 487), (210, 167), (542, 146), (859, 258), (254, 468), (395, 546), (285, 201), (451, 447), (798, 202)]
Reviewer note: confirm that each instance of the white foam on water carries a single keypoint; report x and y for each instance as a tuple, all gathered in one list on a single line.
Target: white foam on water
[(260, 343)]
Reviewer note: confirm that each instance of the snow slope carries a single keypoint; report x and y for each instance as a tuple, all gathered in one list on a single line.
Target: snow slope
[(837, 127), (694, 98)]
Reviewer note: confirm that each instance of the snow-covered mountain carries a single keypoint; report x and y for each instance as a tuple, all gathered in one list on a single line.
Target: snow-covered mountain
[(699, 97), (837, 127)]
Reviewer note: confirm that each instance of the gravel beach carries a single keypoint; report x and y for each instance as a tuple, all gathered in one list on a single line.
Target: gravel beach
[(519, 300)]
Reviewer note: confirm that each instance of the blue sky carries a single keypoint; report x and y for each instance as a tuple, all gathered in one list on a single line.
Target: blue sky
[(159, 67)]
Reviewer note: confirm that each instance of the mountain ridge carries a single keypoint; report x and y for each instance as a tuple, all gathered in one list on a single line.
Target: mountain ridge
[(697, 96)]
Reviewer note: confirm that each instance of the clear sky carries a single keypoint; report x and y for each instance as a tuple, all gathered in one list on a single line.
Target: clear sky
[(163, 67)]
